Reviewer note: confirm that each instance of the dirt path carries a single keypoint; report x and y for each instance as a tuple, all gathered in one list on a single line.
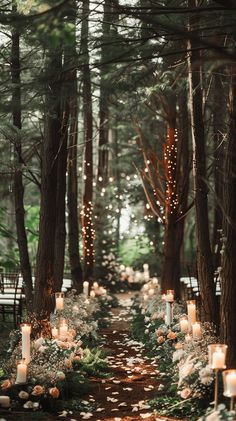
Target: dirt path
[(125, 396)]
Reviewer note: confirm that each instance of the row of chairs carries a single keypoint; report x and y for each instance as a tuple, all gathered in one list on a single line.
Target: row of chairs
[(11, 297)]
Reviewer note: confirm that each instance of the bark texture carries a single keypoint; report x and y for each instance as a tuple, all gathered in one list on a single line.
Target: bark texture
[(204, 254), (18, 179), (87, 211), (228, 284), (43, 302)]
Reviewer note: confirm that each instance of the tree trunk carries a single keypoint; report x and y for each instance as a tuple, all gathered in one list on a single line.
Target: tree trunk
[(87, 211), (60, 233), (204, 255), (170, 278), (218, 133), (72, 200), (44, 283), (18, 182), (228, 284)]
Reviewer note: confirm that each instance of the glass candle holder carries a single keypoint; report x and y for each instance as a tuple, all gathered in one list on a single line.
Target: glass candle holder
[(217, 356), (59, 297), (229, 381)]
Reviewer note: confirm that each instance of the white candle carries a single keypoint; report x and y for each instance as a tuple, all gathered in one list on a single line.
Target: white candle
[(4, 401), (231, 383), (191, 307), (21, 374), (145, 297), (197, 331), (59, 301), (145, 267), (92, 294), (95, 285), (63, 330), (86, 288), (169, 313), (146, 276), (54, 332), (151, 292), (25, 332), (218, 359), (188, 338), (184, 325)]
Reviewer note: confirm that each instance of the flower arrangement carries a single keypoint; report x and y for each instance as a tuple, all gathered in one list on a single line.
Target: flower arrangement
[(59, 366)]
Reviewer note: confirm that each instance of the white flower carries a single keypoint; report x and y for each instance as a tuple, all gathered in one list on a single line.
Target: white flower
[(38, 343), (177, 355), (28, 405), (23, 395)]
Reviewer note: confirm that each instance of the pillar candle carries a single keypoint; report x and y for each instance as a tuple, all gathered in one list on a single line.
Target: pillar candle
[(231, 383), (95, 285), (191, 307), (184, 325), (21, 373), (197, 331), (25, 332), (169, 313), (4, 401), (63, 330), (54, 332), (86, 288), (92, 294), (151, 292), (188, 338), (59, 301)]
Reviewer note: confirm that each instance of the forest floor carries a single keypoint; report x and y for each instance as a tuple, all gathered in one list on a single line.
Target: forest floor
[(125, 395)]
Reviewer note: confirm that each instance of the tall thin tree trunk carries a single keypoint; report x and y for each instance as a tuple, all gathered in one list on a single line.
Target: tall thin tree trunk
[(60, 233), (18, 181), (228, 284), (44, 282), (72, 200), (204, 255), (87, 211), (218, 133)]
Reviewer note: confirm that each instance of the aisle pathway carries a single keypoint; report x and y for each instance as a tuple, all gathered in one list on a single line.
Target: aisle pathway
[(125, 396)]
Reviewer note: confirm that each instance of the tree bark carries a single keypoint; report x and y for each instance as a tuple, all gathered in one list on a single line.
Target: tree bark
[(218, 133), (204, 255), (87, 211), (18, 181), (60, 233), (44, 283), (228, 284)]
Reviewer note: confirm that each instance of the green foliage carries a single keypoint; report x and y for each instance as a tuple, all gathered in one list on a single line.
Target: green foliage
[(92, 363), (134, 251), (173, 406)]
